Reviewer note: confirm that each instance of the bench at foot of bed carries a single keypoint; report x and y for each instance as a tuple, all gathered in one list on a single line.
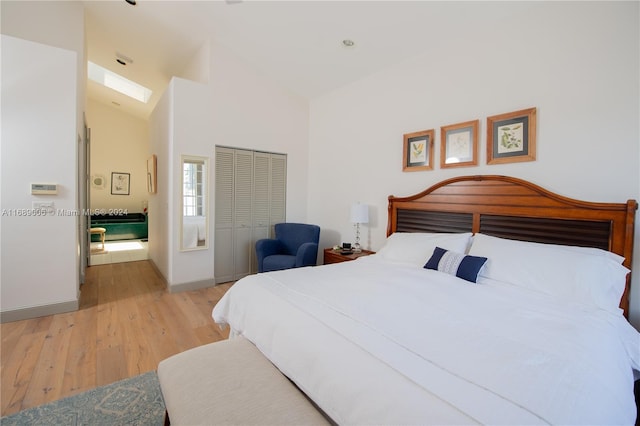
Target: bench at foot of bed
[(231, 382)]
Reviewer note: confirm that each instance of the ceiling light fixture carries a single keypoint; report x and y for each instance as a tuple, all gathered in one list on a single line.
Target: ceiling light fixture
[(123, 59), (348, 43)]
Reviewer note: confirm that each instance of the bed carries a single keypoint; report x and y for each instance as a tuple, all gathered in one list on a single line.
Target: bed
[(540, 337)]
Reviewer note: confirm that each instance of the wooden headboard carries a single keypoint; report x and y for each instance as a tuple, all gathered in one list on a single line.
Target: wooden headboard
[(512, 208)]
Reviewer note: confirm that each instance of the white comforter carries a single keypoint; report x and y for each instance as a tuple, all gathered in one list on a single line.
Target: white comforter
[(376, 343)]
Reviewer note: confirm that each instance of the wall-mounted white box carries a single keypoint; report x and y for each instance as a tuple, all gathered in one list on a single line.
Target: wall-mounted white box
[(44, 189)]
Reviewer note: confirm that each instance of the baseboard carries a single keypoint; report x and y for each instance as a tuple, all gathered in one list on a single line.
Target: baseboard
[(155, 268), (177, 288), (39, 311), (193, 285)]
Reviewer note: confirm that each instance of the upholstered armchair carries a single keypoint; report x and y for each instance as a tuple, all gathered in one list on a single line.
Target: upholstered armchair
[(295, 245)]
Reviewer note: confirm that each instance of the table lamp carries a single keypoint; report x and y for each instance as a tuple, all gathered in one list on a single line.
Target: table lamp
[(359, 214)]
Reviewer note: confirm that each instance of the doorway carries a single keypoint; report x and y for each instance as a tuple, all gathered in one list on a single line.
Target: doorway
[(118, 195)]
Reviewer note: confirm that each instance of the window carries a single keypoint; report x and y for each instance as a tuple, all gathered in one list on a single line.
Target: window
[(118, 83), (193, 190)]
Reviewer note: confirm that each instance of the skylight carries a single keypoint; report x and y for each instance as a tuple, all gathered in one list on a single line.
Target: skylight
[(118, 83)]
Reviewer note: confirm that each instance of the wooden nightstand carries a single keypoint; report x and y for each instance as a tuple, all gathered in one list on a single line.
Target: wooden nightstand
[(334, 256)]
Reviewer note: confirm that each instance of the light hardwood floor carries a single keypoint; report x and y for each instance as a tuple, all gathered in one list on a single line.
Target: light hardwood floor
[(127, 323)]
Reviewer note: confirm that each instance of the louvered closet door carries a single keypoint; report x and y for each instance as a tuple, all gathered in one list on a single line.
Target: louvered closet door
[(278, 181), (261, 196), (269, 196), (242, 206), (223, 255), (250, 199)]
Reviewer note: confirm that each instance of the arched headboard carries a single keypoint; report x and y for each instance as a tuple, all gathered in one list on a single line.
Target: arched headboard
[(513, 208)]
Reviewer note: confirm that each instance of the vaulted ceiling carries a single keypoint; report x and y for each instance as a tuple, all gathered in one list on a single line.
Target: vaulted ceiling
[(297, 43)]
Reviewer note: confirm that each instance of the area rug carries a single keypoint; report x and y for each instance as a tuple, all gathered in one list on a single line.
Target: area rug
[(133, 401)]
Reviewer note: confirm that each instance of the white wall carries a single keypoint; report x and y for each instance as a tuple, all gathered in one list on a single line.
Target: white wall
[(577, 62), (38, 146), (42, 119), (185, 106), (251, 111), (54, 23), (198, 67), (160, 224), (119, 143), (237, 108)]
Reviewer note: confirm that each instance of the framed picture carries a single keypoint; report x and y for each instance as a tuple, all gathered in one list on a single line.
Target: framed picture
[(98, 181), (511, 137), (459, 144), (417, 151), (152, 175), (119, 183)]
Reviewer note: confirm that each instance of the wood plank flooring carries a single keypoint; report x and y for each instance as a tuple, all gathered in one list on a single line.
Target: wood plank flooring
[(127, 323)]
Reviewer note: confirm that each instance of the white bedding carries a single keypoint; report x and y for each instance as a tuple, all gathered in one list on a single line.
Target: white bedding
[(373, 342)]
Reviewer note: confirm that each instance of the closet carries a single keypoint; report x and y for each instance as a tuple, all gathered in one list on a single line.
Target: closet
[(250, 198)]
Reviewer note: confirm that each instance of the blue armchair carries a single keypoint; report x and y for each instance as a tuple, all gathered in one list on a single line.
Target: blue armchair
[(295, 245)]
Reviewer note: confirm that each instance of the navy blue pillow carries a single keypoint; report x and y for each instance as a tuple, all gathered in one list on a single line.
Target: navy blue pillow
[(462, 266)]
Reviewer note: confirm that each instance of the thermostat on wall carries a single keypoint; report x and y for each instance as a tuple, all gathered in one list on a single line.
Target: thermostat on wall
[(44, 189)]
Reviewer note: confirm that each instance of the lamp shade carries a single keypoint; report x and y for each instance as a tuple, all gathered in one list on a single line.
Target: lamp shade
[(359, 213)]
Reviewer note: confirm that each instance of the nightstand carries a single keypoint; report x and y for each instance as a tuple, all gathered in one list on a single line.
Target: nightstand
[(334, 256)]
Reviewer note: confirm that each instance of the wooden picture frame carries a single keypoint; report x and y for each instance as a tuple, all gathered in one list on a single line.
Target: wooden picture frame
[(120, 183), (152, 174), (459, 144), (511, 137), (417, 151)]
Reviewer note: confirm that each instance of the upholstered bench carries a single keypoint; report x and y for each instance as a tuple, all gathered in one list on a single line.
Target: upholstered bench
[(232, 383)]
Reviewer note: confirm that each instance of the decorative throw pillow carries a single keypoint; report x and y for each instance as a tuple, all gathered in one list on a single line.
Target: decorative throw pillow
[(458, 264)]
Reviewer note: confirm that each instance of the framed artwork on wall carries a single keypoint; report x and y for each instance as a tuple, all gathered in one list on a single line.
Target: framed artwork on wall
[(417, 151), (511, 137), (120, 183), (152, 175), (459, 144), (98, 181)]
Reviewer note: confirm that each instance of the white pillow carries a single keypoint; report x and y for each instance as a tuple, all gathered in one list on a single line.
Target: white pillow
[(416, 248), (583, 276), (594, 251)]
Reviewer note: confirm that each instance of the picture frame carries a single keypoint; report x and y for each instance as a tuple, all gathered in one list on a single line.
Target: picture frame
[(98, 181), (152, 174), (511, 137), (417, 151), (120, 183), (459, 144)]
